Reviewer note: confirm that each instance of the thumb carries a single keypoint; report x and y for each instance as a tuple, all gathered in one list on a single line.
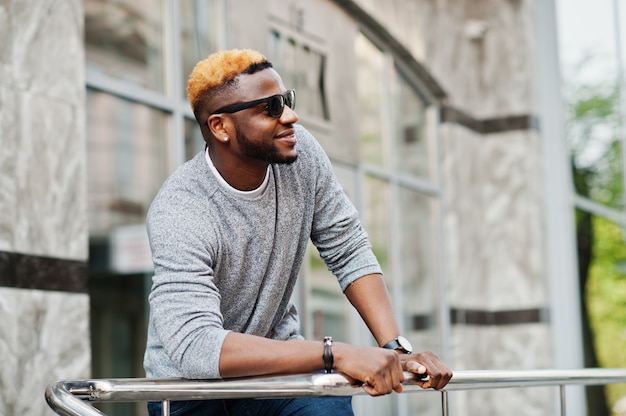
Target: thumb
[(415, 367)]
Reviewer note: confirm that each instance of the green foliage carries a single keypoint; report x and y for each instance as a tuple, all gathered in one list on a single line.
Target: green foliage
[(594, 105), (593, 127), (593, 134), (606, 298)]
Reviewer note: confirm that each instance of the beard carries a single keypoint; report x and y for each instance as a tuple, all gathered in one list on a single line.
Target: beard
[(263, 151)]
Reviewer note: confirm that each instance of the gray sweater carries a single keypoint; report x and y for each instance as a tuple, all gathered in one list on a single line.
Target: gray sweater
[(228, 263)]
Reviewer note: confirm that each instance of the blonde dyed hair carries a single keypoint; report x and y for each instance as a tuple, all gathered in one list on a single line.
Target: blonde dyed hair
[(219, 69)]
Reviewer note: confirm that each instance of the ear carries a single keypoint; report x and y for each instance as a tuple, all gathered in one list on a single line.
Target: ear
[(220, 126)]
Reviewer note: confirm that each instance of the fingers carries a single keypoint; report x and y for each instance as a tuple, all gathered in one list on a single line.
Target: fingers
[(382, 371), (380, 388), (378, 369), (388, 379), (428, 363)]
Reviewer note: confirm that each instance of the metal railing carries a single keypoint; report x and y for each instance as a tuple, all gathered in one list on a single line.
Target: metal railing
[(71, 398)]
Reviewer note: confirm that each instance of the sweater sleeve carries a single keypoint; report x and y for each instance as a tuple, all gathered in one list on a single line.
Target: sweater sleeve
[(186, 325), (337, 232)]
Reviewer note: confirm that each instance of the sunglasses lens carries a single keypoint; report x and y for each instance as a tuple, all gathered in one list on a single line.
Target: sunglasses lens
[(275, 105), (290, 98)]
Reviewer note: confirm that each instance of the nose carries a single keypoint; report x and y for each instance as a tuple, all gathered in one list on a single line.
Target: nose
[(288, 116)]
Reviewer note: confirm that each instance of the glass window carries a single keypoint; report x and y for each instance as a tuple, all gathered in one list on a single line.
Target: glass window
[(372, 101), (592, 64), (592, 88), (312, 66), (417, 251), (303, 68), (276, 50), (118, 332), (127, 153), (377, 222), (397, 151), (412, 146), (132, 148), (603, 270), (124, 40), (593, 133), (194, 142), (288, 66), (202, 32), (327, 305)]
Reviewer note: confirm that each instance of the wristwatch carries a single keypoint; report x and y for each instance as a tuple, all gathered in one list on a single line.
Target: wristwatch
[(401, 344)]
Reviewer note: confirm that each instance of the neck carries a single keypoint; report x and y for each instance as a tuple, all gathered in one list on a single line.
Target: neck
[(239, 175)]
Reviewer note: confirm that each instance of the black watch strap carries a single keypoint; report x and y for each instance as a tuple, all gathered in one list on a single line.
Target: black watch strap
[(399, 343), (392, 345)]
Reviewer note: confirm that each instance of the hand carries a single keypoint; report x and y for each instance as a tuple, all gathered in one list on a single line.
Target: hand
[(377, 369), (427, 363)]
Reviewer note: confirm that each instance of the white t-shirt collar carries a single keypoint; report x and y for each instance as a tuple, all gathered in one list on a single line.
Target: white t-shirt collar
[(246, 194)]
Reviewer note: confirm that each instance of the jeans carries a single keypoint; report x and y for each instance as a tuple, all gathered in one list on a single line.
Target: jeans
[(318, 406)]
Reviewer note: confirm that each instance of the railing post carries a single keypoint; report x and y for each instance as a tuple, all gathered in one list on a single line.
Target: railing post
[(165, 408), (562, 394), (444, 403)]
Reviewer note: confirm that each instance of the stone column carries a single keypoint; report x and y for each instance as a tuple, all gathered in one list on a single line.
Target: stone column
[(44, 305), (484, 53)]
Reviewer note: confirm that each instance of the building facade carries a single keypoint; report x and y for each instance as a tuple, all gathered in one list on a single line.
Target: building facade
[(442, 120), (44, 302)]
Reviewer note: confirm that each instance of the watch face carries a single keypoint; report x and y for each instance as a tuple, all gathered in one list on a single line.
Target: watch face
[(405, 344)]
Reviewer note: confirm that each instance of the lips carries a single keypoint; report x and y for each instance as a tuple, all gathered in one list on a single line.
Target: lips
[(287, 137)]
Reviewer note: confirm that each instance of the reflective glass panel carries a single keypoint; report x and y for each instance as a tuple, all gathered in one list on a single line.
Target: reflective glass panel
[(377, 221), (202, 32), (124, 40), (194, 142), (595, 114), (594, 90), (418, 258), (418, 253), (372, 103), (602, 273), (327, 305), (303, 68), (412, 145), (118, 325), (128, 160), (312, 72)]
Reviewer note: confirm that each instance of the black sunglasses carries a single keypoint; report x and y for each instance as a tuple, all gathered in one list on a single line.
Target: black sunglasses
[(275, 104)]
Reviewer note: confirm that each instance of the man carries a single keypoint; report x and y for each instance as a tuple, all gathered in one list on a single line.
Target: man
[(228, 232)]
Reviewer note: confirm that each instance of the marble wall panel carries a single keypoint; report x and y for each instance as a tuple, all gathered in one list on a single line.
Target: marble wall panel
[(493, 219), (6, 44), (8, 149), (519, 347), (44, 338), (47, 51), (50, 176), (514, 220), (42, 157), (481, 52), (8, 134), (522, 347)]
